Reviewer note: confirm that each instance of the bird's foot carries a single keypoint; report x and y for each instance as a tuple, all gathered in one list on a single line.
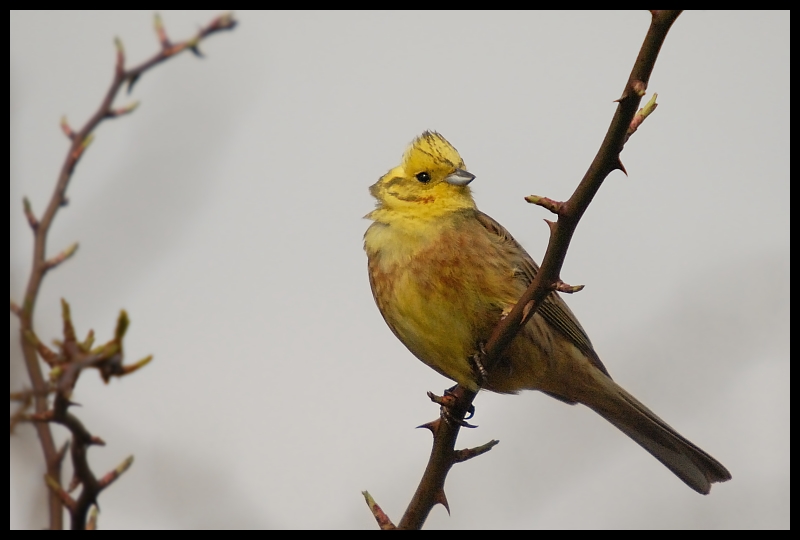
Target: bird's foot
[(481, 375), (447, 402)]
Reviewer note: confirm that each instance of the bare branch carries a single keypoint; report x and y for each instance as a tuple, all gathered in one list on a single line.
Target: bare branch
[(68, 363), (80, 141)]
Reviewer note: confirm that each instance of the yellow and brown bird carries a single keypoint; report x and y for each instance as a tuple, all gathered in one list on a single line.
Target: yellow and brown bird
[(443, 274)]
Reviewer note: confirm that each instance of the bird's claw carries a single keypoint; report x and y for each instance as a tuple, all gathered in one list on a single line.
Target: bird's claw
[(453, 421), (481, 375), (447, 414)]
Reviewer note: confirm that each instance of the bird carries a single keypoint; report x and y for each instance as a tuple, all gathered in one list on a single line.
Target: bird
[(443, 274)]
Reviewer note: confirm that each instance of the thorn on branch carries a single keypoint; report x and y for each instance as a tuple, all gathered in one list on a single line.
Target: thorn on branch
[(132, 80), (620, 166), (545, 202), (16, 309), (51, 263), (469, 453), (194, 46), (433, 426), (380, 516), (441, 498), (97, 441), (32, 220), (568, 289), (550, 225)]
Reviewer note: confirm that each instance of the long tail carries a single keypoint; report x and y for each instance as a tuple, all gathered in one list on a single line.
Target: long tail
[(687, 461)]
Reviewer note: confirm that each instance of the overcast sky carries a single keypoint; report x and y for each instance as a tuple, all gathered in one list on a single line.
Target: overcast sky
[(225, 215)]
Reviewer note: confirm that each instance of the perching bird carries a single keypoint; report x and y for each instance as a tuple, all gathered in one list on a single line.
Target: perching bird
[(443, 274)]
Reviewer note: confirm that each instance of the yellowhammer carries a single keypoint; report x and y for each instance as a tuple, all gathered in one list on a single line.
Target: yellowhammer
[(443, 274)]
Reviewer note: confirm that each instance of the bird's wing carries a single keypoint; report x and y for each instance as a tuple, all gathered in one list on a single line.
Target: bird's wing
[(554, 310)]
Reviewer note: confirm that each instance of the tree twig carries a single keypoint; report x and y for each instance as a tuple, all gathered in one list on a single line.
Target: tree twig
[(80, 141), (72, 358), (380, 516), (431, 488)]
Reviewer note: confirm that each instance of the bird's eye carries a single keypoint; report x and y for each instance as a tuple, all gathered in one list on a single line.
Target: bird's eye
[(424, 177)]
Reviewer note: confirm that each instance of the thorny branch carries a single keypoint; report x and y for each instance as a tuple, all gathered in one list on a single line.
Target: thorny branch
[(71, 367), (625, 121)]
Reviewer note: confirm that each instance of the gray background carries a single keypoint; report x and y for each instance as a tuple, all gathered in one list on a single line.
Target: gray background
[(226, 216)]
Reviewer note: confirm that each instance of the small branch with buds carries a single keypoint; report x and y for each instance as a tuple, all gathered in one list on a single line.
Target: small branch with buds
[(108, 364), (67, 363)]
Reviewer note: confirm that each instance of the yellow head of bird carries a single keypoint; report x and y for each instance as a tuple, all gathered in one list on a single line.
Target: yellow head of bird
[(431, 180)]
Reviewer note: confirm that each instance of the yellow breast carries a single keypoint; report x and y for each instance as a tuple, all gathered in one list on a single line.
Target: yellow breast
[(441, 287)]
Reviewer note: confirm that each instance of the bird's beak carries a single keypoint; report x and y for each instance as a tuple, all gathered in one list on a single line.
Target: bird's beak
[(459, 178)]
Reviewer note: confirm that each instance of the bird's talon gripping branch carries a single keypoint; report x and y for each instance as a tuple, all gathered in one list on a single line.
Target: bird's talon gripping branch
[(447, 402), (470, 412), (477, 365), (451, 419)]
